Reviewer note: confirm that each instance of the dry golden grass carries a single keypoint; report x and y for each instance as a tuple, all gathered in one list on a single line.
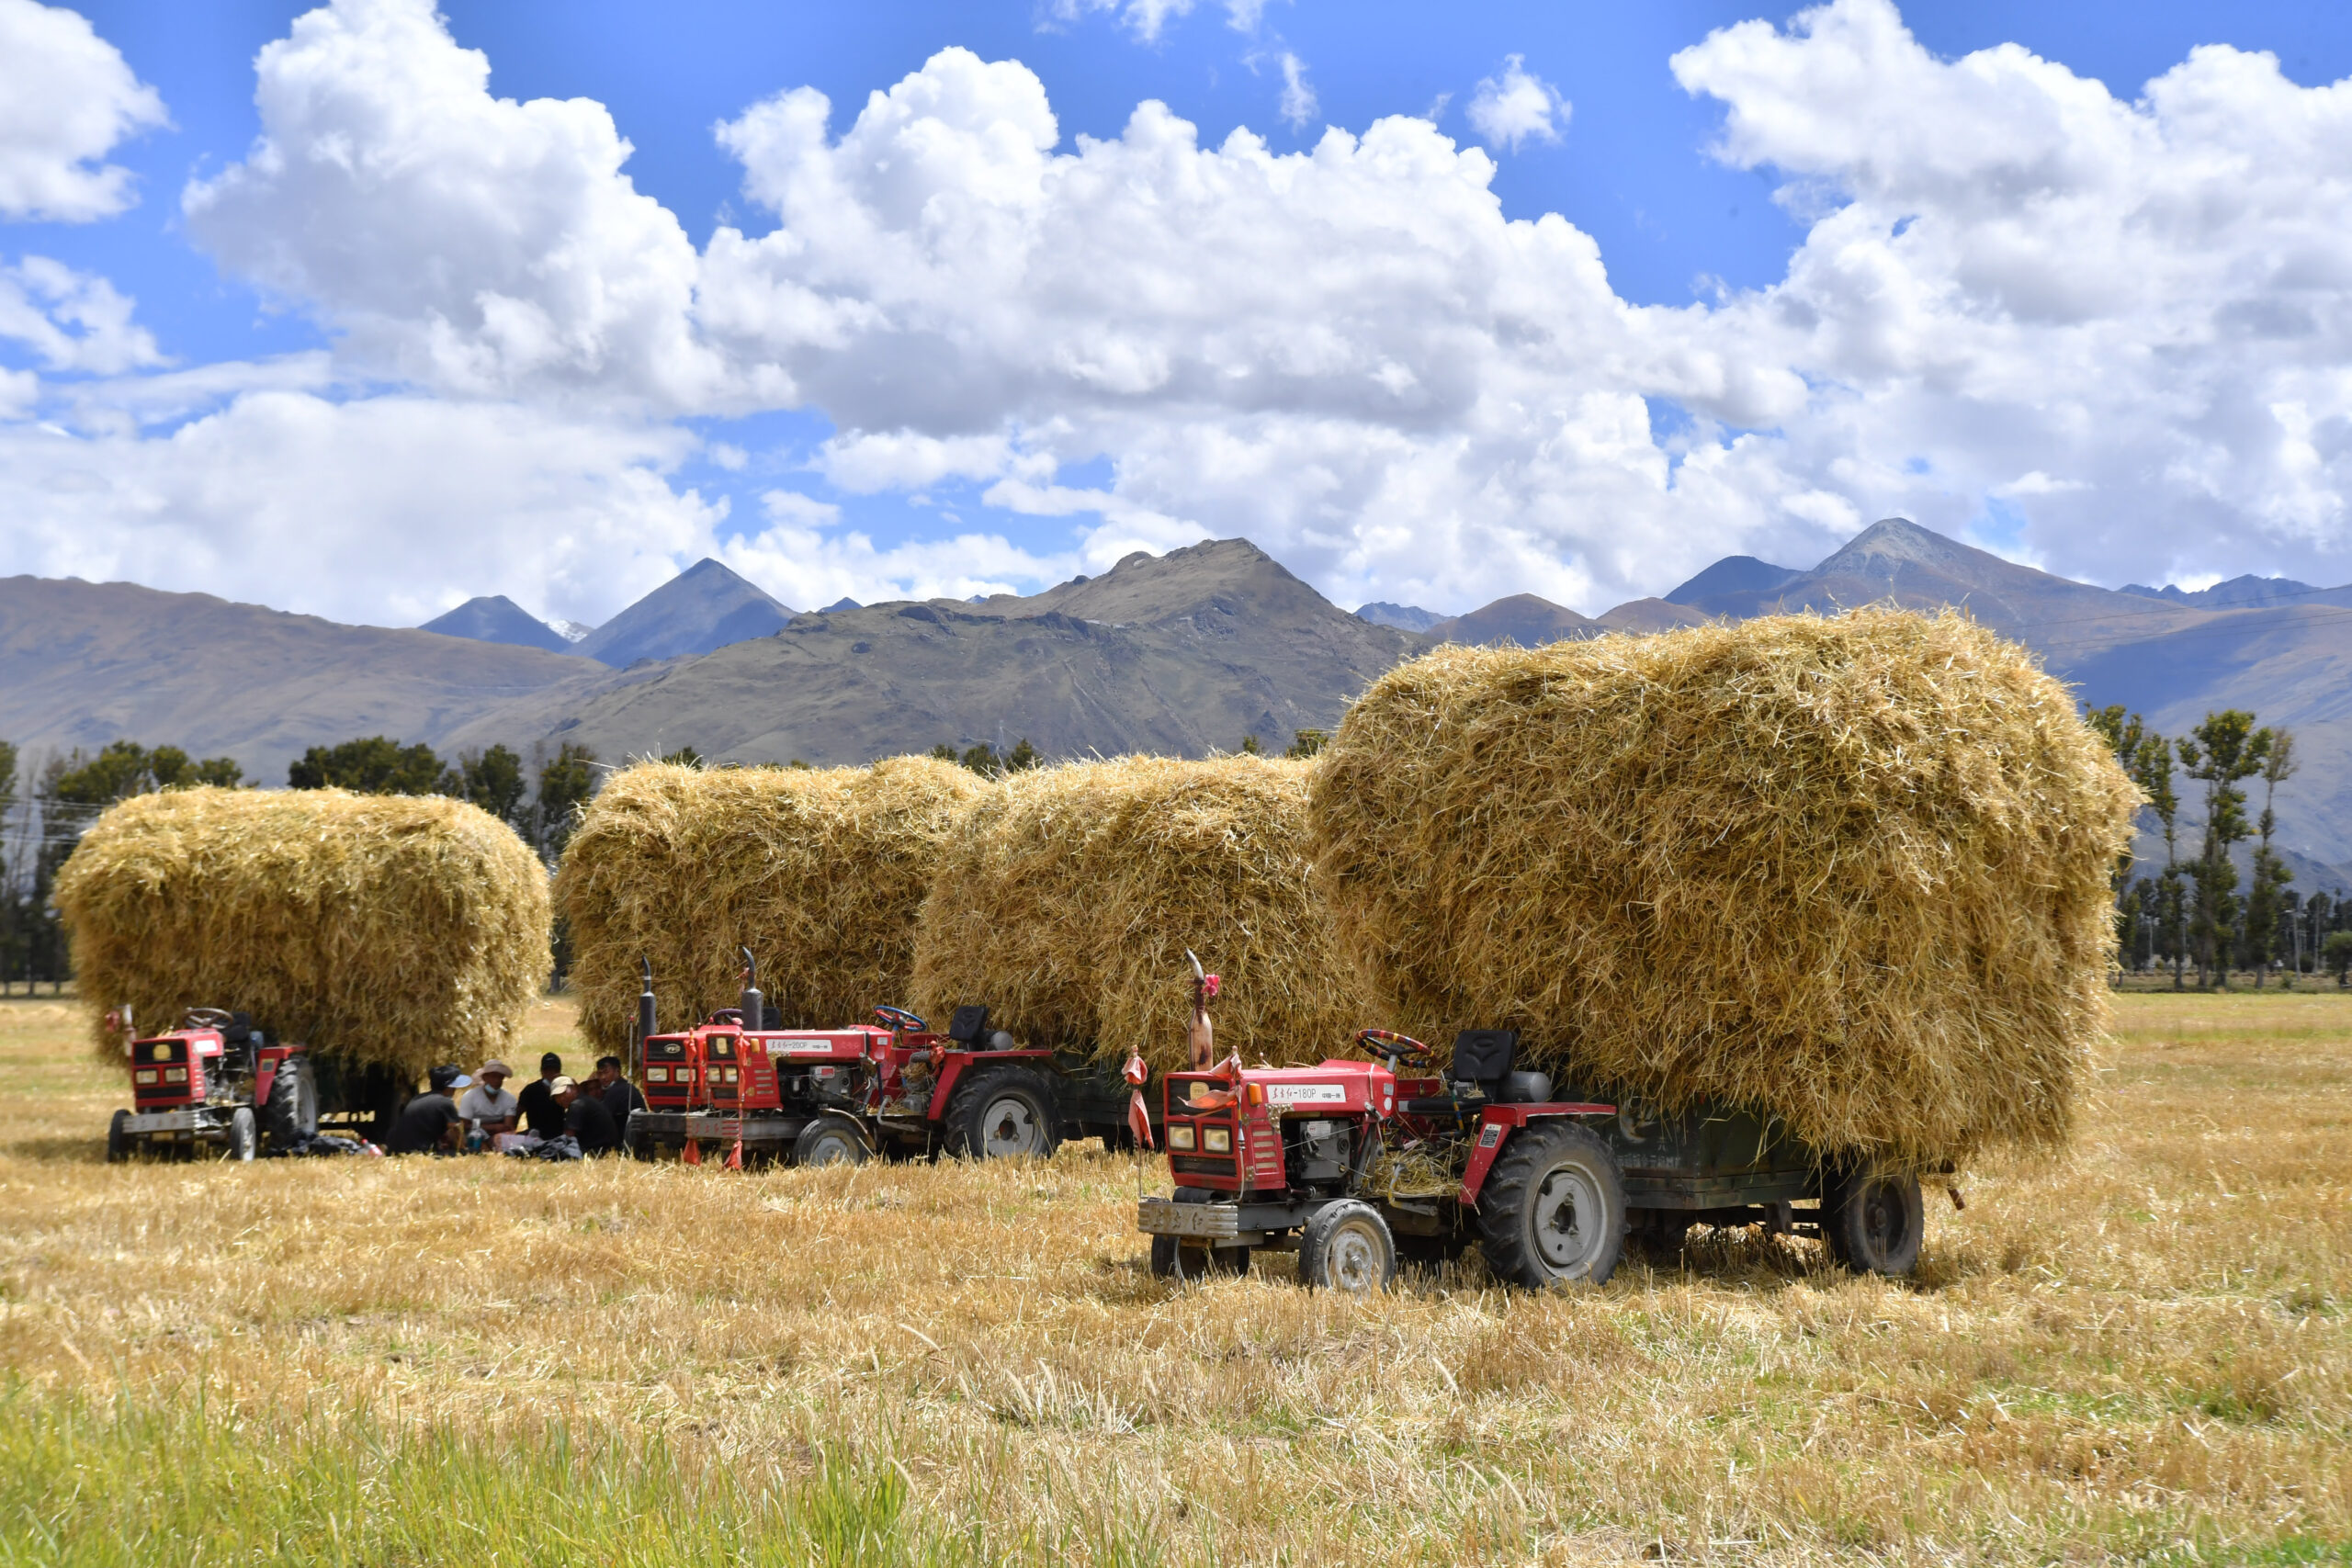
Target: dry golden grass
[(2140, 1355)]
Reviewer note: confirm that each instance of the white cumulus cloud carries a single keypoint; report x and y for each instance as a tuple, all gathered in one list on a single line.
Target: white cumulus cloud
[(66, 100), (1517, 106), (2114, 333), (73, 321), (2133, 319), (472, 244), (384, 509)]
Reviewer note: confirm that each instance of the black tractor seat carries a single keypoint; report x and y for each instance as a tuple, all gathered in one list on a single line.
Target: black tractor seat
[(1482, 1075)]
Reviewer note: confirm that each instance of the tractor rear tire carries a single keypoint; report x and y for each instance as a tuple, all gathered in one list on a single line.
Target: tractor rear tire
[(120, 1144), (292, 1112), (1552, 1210), (830, 1140), (244, 1134), (1347, 1246), (1004, 1113), (1168, 1255), (1873, 1222)]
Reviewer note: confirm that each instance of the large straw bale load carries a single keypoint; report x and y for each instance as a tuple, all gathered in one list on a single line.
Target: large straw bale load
[(818, 871), (1068, 901), (1849, 870), (382, 930)]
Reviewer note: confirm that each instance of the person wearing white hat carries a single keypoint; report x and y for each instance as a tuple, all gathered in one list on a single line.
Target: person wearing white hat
[(489, 1107)]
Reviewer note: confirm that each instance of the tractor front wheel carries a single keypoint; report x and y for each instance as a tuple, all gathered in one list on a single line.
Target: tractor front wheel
[(1347, 1246), (244, 1134), (1873, 1222), (1552, 1210), (1171, 1258), (1007, 1112), (120, 1144), (830, 1140)]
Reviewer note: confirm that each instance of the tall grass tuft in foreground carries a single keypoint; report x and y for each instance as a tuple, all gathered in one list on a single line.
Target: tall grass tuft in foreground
[(185, 1479)]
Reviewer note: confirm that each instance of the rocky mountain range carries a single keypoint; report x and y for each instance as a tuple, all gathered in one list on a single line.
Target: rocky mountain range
[(1185, 652)]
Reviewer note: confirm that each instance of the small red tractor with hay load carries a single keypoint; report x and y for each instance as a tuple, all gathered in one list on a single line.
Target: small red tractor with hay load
[(216, 1081), (895, 1087), (1338, 1162)]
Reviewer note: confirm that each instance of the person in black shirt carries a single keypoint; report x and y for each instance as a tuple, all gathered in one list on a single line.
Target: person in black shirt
[(587, 1118), (621, 1096), (542, 1117), (429, 1123)]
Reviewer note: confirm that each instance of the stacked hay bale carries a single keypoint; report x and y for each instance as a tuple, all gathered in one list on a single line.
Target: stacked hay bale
[(1852, 872), (1070, 895), (381, 930), (818, 871)]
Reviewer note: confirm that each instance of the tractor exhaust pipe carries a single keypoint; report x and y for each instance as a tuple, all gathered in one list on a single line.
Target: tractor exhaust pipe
[(646, 1026), (754, 1004)]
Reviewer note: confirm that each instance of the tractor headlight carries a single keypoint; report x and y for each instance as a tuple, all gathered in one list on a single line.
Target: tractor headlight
[(730, 1075), (1179, 1136), (657, 1074), (176, 1075), (1217, 1140), (144, 1076)]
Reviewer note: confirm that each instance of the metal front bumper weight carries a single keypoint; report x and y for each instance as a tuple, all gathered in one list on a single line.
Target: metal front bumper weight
[(188, 1120)]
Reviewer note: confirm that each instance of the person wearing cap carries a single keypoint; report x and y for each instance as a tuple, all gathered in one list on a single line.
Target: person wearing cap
[(586, 1117), (541, 1115), (429, 1124), (489, 1106)]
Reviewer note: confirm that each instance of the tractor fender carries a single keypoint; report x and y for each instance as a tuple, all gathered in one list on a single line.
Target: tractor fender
[(1498, 1123), (271, 1058), (949, 1068)]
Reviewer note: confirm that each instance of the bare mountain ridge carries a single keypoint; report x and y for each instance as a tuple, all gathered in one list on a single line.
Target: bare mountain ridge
[(496, 618), (1183, 654), (702, 609), (84, 663)]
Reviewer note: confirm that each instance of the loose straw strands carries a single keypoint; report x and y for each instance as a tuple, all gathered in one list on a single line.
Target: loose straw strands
[(393, 930), (1068, 900), (1850, 871), (818, 871)]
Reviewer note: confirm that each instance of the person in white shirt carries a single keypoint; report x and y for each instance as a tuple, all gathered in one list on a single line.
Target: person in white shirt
[(489, 1107)]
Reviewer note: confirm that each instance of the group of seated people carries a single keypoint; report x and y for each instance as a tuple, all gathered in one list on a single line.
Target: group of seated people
[(592, 1113)]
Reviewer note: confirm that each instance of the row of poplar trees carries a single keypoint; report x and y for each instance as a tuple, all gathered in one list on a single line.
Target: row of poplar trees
[(45, 807), (2193, 912)]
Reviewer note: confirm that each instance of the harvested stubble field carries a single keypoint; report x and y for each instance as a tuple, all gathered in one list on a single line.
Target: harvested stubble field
[(2143, 1356)]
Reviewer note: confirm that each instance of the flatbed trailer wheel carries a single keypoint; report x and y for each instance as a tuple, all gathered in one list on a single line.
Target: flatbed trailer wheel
[(1196, 1262), (1552, 1210), (1347, 1246), (119, 1143), (830, 1140), (244, 1134), (1005, 1112), (1874, 1220)]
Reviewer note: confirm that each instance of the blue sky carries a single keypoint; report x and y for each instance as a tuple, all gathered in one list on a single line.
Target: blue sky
[(1625, 159)]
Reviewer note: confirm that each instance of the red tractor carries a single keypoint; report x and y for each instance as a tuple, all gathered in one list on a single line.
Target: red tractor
[(213, 1081), (1338, 1162)]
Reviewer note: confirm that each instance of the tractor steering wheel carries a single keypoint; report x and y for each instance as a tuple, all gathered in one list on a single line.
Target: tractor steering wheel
[(205, 1018), (1389, 1043), (900, 1019)]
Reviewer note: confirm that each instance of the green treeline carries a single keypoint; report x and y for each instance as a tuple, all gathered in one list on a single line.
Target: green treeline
[(2193, 913)]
